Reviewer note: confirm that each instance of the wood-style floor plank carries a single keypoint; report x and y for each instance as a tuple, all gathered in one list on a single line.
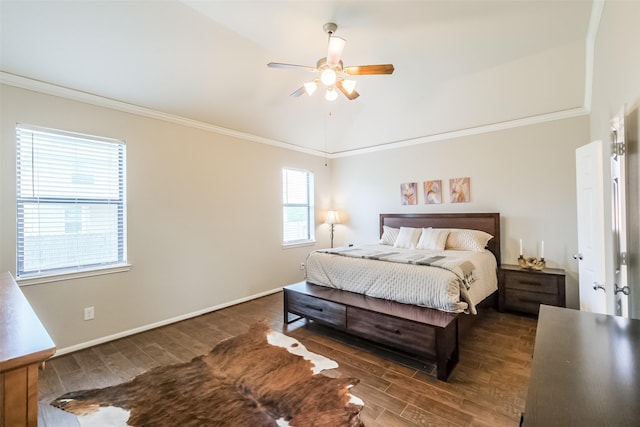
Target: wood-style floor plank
[(487, 388)]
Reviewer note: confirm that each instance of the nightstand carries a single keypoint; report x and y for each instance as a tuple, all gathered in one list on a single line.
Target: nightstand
[(524, 290)]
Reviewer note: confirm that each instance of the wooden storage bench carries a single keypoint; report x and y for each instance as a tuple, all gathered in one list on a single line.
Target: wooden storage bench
[(423, 333)]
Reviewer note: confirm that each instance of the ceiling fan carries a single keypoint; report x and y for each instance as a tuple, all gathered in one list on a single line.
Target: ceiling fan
[(331, 71)]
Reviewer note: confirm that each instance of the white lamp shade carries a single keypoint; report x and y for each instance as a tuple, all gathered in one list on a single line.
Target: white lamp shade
[(349, 85), (336, 46), (310, 87), (333, 217), (331, 94)]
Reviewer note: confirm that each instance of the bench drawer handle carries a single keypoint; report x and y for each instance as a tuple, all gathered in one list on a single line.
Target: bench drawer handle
[(382, 328), (314, 308)]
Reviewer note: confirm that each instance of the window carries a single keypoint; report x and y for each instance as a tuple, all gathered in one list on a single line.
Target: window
[(71, 202), (297, 207)]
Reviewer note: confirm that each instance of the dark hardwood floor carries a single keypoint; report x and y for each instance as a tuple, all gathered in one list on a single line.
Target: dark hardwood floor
[(487, 388)]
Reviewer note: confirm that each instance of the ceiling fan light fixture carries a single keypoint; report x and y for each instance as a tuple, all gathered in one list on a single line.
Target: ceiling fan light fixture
[(332, 71), (331, 94), (328, 77), (349, 85), (310, 87)]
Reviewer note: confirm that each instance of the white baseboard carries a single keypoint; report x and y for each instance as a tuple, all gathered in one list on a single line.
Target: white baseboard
[(102, 340)]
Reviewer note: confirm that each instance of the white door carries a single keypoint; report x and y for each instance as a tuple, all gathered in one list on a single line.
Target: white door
[(619, 214), (590, 198)]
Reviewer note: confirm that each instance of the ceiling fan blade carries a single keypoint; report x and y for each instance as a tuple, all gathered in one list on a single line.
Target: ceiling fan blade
[(281, 65), (353, 95), (336, 47), (362, 70), (298, 92)]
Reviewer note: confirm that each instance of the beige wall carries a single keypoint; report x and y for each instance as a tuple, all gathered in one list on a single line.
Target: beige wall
[(527, 174), (617, 84), (204, 219), (204, 209)]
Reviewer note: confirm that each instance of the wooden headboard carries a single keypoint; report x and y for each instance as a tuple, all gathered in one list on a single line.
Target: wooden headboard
[(487, 222)]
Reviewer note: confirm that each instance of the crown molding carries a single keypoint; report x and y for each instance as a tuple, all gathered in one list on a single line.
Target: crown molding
[(89, 98), (533, 120)]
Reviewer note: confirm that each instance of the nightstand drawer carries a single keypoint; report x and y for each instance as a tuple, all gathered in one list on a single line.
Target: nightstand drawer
[(317, 309), (531, 282), (527, 301)]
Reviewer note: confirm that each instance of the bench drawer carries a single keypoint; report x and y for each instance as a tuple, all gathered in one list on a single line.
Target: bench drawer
[(399, 333), (317, 309)]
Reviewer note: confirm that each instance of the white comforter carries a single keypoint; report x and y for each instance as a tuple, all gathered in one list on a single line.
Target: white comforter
[(396, 276)]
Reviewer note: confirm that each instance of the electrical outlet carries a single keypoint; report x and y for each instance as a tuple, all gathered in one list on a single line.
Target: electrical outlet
[(89, 313), (302, 266)]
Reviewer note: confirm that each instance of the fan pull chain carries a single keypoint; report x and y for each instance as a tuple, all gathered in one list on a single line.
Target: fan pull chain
[(326, 151)]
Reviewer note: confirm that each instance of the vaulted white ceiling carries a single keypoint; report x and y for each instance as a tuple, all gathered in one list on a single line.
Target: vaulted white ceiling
[(459, 65)]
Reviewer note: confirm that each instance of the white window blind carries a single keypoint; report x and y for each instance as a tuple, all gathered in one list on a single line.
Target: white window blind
[(297, 206), (71, 202)]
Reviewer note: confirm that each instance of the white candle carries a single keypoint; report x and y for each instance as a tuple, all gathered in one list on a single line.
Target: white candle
[(520, 247), (542, 250)]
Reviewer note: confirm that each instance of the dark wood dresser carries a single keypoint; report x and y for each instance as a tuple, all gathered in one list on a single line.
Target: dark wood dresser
[(524, 290), (24, 346), (585, 371)]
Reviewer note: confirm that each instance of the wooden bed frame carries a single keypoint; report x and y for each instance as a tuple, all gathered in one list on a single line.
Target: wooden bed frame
[(422, 333)]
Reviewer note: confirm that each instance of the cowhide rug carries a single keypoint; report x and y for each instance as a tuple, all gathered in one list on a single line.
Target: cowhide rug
[(259, 378)]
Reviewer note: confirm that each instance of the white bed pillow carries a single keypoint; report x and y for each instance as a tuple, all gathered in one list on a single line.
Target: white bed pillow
[(467, 240), (408, 237), (433, 238), (389, 235)]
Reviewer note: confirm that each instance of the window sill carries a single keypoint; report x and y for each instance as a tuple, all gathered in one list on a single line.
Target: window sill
[(37, 280), (298, 244)]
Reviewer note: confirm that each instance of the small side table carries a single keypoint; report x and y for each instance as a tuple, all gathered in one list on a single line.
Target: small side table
[(524, 290)]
